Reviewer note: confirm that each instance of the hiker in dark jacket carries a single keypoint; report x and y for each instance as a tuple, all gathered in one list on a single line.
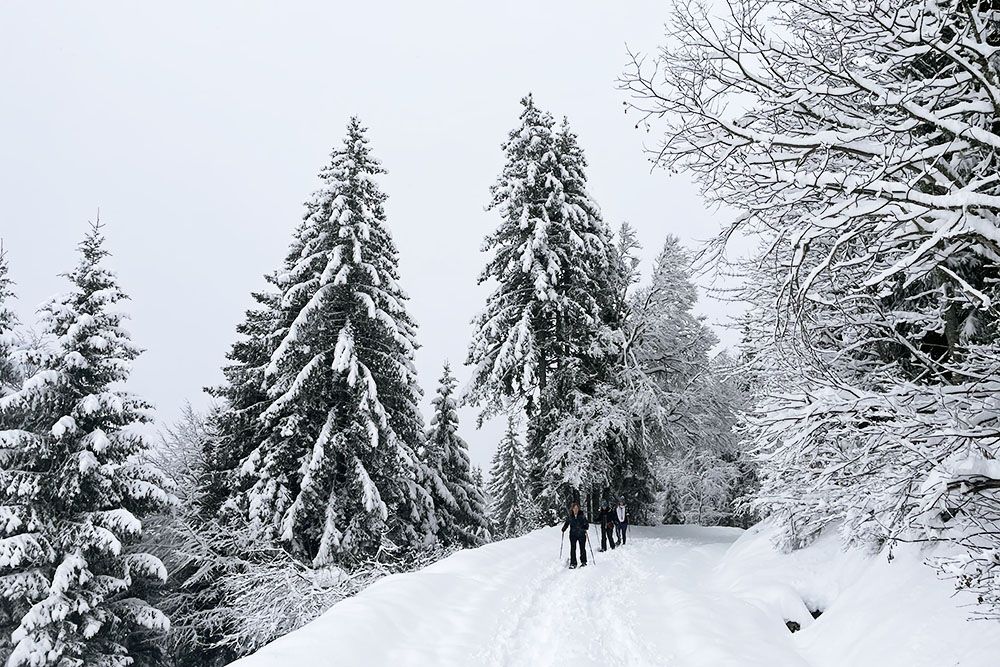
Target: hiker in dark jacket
[(606, 518), (578, 525), (621, 519)]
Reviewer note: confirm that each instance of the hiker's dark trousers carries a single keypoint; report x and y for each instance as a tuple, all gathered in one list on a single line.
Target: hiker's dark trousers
[(607, 535), (622, 532), (574, 541)]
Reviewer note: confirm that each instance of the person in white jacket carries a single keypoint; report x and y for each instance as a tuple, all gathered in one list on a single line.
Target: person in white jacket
[(621, 520)]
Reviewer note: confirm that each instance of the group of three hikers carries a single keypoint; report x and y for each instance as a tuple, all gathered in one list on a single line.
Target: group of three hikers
[(614, 521)]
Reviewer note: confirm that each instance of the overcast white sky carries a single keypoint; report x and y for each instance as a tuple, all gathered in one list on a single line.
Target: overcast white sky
[(198, 129)]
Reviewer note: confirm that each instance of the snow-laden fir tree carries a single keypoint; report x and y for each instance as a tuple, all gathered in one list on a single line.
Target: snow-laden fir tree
[(549, 257), (600, 442), (14, 603), (74, 486), (206, 538), (8, 322), (702, 468), (662, 410), (863, 159), (460, 507), (477, 478), (510, 502), (224, 437), (591, 272), (232, 432), (336, 476), (236, 424)]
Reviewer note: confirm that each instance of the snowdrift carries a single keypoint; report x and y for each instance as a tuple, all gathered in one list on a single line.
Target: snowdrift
[(674, 595), (875, 610)]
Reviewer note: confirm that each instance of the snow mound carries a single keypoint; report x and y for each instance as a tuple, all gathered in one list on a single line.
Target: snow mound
[(876, 611)]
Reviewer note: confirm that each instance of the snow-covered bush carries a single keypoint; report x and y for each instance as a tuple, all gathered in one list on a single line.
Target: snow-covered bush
[(191, 545), (258, 592), (273, 593)]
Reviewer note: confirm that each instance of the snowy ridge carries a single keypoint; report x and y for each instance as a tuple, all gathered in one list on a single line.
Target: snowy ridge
[(674, 595)]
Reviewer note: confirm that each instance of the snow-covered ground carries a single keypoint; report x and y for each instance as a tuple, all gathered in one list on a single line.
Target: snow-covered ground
[(674, 595)]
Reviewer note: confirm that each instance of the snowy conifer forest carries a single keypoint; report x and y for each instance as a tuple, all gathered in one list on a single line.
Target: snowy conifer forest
[(776, 393)]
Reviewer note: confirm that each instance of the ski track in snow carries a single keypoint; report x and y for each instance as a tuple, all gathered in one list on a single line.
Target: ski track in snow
[(514, 603), (582, 617)]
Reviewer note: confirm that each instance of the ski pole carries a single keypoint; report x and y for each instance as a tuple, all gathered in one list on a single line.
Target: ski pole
[(592, 557), (562, 540)]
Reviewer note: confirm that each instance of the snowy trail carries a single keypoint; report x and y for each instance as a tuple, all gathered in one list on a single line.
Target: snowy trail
[(651, 602)]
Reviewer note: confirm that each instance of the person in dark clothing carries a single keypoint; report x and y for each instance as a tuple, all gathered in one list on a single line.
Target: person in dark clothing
[(606, 518), (578, 525), (620, 516)]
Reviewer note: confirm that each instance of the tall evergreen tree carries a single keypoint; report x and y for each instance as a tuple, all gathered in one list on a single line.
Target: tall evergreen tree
[(16, 600), (8, 321), (477, 478), (228, 435), (535, 341), (591, 270), (336, 475), (461, 506), (210, 475), (692, 420), (509, 500), (237, 423), (74, 488)]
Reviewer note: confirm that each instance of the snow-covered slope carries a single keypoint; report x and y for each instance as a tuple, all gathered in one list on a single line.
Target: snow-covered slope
[(875, 611), (679, 596)]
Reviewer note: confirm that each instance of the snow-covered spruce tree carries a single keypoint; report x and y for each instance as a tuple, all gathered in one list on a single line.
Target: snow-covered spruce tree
[(667, 407), (260, 512), (460, 507), (592, 447), (9, 376), (212, 531), (702, 467), (74, 486), (534, 343), (508, 491), (242, 428), (863, 157), (477, 479), (207, 538), (690, 435), (236, 424), (14, 603), (336, 477), (587, 399)]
